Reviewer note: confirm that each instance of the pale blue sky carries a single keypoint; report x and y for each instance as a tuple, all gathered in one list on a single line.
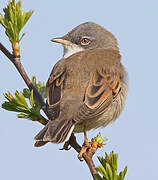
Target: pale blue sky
[(133, 136)]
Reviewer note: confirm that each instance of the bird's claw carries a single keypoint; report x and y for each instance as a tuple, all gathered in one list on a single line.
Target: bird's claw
[(66, 146), (85, 147)]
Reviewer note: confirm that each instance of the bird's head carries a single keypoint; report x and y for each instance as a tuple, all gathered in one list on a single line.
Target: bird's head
[(86, 36)]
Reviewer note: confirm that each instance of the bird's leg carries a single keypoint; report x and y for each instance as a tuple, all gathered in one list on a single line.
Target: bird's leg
[(85, 147), (86, 143), (66, 146)]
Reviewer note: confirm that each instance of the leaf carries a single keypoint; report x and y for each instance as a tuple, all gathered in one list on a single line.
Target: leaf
[(14, 20), (23, 15), (20, 99), (34, 81), (28, 15), (18, 103), (11, 31), (109, 171), (22, 116), (22, 36), (115, 176), (108, 168), (31, 99), (10, 107), (102, 171), (102, 161), (98, 177), (2, 21), (123, 173), (11, 13), (22, 108), (8, 96)]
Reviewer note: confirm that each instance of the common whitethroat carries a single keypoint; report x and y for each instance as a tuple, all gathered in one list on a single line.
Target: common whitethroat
[(87, 87)]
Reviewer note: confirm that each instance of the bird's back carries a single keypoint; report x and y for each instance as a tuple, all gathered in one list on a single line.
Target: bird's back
[(77, 71)]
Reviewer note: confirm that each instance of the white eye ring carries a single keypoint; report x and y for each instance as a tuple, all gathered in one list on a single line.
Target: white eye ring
[(85, 41)]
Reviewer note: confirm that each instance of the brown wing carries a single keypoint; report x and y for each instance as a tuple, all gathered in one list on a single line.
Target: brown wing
[(54, 90), (101, 88), (101, 91)]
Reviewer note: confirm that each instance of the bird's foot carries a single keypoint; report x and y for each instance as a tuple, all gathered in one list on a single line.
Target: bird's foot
[(91, 147), (85, 148), (66, 146)]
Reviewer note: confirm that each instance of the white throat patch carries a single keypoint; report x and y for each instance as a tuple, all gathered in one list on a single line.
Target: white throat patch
[(72, 49)]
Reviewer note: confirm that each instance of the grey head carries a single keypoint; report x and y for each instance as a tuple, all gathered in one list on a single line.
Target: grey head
[(87, 36)]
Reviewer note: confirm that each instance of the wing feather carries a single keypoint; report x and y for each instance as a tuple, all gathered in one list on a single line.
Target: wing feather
[(101, 91), (54, 91)]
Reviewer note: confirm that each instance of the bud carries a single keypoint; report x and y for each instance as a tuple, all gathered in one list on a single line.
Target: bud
[(16, 49)]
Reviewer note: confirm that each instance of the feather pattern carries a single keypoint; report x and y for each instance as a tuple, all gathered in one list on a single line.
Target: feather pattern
[(86, 90)]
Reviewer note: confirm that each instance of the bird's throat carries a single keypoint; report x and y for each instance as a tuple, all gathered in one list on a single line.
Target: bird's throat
[(70, 50)]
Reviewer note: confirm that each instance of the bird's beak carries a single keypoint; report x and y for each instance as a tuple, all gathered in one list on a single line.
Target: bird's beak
[(62, 41)]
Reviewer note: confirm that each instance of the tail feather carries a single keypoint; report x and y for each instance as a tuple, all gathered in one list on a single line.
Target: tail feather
[(40, 143), (55, 131), (40, 135)]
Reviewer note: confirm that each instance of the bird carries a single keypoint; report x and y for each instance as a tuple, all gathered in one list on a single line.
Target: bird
[(87, 87)]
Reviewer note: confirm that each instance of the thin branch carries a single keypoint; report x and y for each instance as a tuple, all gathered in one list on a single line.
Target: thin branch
[(16, 61), (6, 52), (19, 67), (87, 156)]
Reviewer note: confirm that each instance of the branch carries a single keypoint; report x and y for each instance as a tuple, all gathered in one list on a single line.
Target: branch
[(6, 52), (87, 156), (19, 67)]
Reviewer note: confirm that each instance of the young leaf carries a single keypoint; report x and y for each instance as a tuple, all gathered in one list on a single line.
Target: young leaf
[(18, 103), (13, 21), (108, 168), (98, 177), (102, 171), (10, 107), (20, 99), (31, 99), (2, 21), (109, 171)]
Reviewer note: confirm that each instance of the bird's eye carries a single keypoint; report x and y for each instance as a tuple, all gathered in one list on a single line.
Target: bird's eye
[(85, 41)]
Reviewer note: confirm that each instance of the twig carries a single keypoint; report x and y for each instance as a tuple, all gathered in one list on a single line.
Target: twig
[(87, 156), (16, 61), (6, 52), (19, 67)]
